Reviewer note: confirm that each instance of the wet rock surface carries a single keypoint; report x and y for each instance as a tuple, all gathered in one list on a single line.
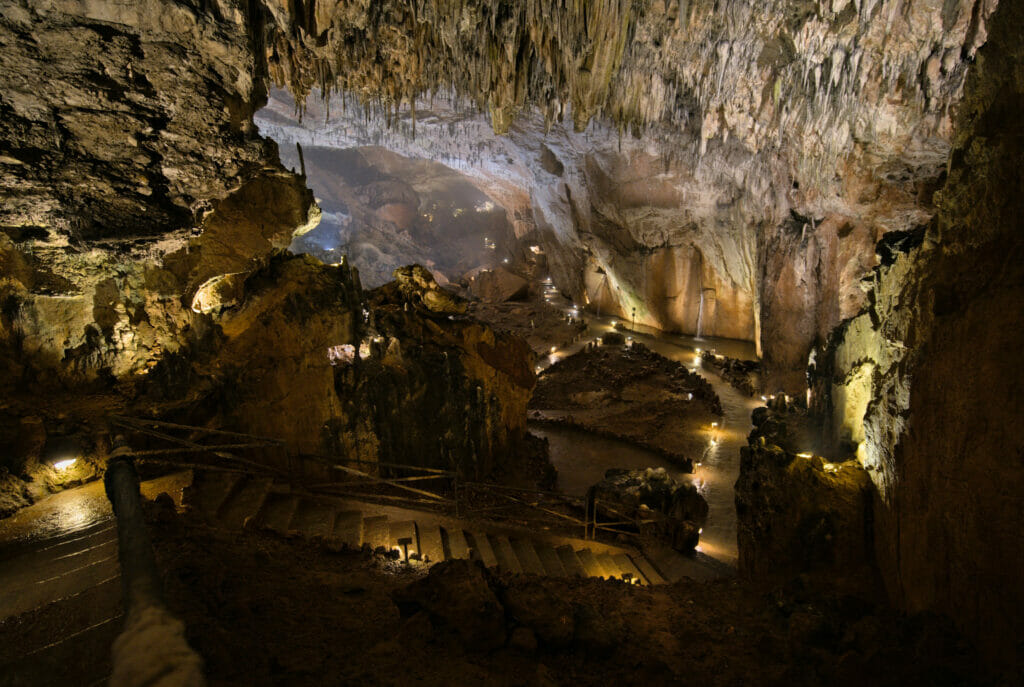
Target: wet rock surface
[(630, 393)]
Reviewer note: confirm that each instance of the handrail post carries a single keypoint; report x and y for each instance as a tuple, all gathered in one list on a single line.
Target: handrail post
[(138, 565), (151, 648)]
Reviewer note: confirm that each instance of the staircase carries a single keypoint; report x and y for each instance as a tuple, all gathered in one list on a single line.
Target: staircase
[(236, 500)]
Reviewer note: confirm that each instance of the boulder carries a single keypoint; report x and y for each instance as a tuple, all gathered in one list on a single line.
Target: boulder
[(670, 509), (498, 285), (548, 615), (456, 596)]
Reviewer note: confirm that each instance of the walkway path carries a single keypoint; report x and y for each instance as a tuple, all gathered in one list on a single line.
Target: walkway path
[(63, 551), (718, 468)]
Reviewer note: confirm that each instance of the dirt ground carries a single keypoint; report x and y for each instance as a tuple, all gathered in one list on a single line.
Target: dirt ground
[(264, 610), (630, 393)]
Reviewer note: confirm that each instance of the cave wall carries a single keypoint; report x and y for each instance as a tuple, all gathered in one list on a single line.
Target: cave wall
[(706, 129), (121, 121), (925, 383)]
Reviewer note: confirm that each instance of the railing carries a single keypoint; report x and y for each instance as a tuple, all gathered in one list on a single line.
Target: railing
[(152, 646), (409, 485)]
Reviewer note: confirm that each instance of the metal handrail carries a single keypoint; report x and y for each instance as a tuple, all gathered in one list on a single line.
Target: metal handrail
[(146, 616)]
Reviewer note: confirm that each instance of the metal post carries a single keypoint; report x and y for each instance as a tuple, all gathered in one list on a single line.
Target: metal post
[(152, 648), (139, 576)]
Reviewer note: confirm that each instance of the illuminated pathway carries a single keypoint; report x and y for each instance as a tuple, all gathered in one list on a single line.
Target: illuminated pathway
[(719, 468)]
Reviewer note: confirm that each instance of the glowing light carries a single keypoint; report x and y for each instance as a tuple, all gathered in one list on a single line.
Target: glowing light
[(554, 348), (714, 424), (698, 351), (505, 261), (805, 454), (65, 464), (698, 548), (831, 467), (714, 441), (764, 398), (535, 250), (700, 530), (689, 397), (614, 322), (699, 464)]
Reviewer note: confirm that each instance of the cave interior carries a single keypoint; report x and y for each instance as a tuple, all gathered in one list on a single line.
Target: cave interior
[(462, 341)]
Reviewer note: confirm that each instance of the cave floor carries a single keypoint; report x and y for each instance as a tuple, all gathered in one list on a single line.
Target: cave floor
[(262, 610)]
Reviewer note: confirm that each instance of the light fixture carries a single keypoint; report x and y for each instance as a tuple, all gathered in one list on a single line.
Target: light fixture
[(65, 464), (805, 454), (698, 351), (714, 424), (554, 348)]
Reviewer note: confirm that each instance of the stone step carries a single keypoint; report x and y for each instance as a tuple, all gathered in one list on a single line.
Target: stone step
[(590, 564), (403, 537), (527, 555), (480, 548), (245, 502), (376, 531), (431, 546), (671, 566), (626, 567), (507, 558), (348, 528), (210, 490), (550, 560), (570, 561), (651, 575), (606, 561), (455, 543), (277, 512), (314, 518)]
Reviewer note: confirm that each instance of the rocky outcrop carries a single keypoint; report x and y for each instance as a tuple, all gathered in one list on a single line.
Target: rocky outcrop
[(121, 122), (798, 512), (498, 286), (670, 510), (396, 375), (924, 385)]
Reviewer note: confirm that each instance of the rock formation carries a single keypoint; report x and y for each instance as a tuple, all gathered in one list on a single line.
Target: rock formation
[(725, 168), (797, 511), (924, 383), (669, 509)]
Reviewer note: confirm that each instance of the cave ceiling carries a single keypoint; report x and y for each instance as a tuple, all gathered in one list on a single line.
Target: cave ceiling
[(633, 138)]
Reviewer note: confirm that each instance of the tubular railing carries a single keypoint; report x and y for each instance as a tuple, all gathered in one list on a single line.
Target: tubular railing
[(152, 646)]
